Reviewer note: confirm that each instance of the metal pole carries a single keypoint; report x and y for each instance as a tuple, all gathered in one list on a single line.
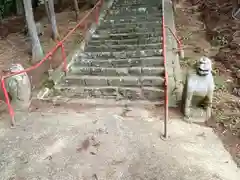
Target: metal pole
[(166, 75)]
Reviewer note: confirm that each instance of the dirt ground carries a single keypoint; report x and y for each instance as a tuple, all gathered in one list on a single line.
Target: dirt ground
[(226, 106)]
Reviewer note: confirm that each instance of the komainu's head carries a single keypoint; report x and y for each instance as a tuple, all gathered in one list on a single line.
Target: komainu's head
[(204, 66), (16, 68)]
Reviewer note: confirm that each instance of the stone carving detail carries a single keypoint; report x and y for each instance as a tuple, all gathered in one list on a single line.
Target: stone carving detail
[(18, 88)]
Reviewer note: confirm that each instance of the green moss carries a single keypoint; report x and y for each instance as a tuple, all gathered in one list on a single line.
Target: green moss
[(187, 61), (220, 83), (56, 92), (48, 83)]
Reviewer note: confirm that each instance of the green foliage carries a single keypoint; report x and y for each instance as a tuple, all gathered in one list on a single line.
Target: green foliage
[(7, 7)]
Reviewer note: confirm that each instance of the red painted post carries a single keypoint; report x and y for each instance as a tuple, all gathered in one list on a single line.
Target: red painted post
[(85, 28), (166, 79), (10, 109), (179, 44), (97, 13), (64, 59)]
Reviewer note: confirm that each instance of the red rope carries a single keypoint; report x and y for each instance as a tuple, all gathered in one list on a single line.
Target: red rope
[(179, 44)]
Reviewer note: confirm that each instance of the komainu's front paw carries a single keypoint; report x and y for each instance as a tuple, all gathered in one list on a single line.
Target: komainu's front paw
[(187, 112), (187, 115), (208, 114), (187, 119)]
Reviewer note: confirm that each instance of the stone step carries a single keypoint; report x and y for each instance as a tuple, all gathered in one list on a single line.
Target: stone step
[(138, 6), (122, 64), (136, 16), (110, 71), (122, 47), (103, 102), (130, 27), (127, 12), (128, 30), (124, 81), (112, 92), (133, 41), (135, 24), (143, 52), (153, 61), (132, 20), (134, 1), (117, 36), (127, 1)]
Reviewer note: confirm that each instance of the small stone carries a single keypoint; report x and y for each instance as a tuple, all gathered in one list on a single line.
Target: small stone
[(197, 50), (236, 91)]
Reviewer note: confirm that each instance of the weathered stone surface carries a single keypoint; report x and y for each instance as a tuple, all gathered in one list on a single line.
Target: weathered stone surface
[(130, 62), (126, 14), (115, 92), (138, 7), (115, 80), (141, 52), (123, 47), (131, 35), (157, 71), (124, 81), (95, 81), (130, 29), (134, 41), (152, 81), (173, 65), (153, 94), (112, 71), (124, 24), (134, 19)]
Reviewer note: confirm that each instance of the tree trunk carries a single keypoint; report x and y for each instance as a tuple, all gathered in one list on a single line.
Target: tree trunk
[(76, 9), (37, 51), (55, 34), (47, 10), (19, 7), (1, 18), (60, 2)]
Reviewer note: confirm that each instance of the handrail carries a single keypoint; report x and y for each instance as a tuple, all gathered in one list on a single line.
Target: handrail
[(48, 56), (179, 43)]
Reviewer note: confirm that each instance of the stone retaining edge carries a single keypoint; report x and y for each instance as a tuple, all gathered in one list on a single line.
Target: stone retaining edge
[(173, 66)]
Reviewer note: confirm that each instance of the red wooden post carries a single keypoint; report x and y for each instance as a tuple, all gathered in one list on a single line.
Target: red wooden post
[(10, 109), (64, 59), (97, 13)]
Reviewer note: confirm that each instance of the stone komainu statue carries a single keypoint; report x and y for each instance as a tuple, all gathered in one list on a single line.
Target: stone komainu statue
[(18, 88), (199, 83), (236, 9)]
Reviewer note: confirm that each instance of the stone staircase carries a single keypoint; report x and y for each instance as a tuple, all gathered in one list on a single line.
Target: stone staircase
[(122, 62)]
